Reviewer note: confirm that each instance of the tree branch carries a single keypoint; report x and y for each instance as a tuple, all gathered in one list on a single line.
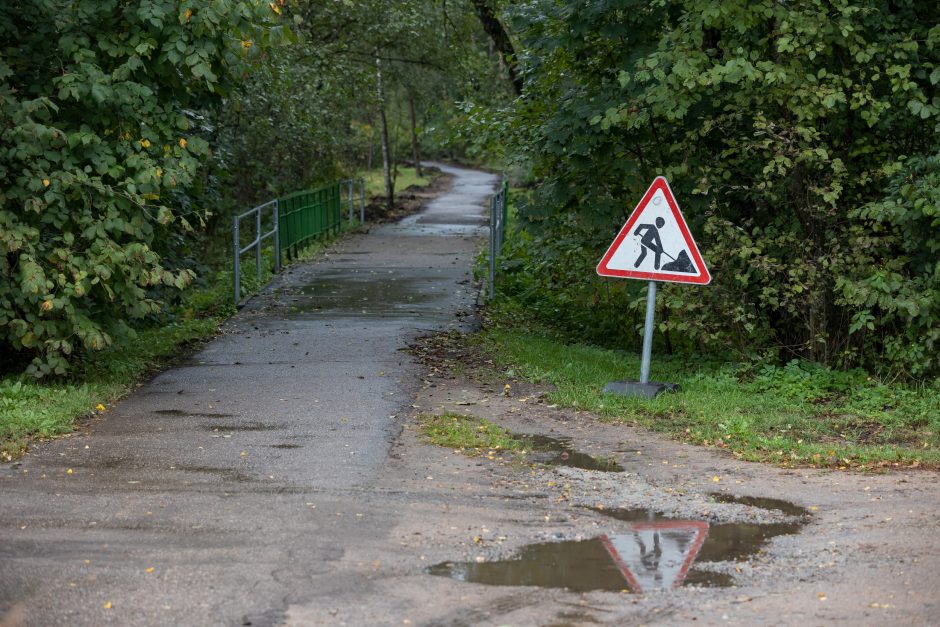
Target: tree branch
[(494, 28)]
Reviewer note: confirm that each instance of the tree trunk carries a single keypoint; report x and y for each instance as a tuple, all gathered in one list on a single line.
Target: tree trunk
[(386, 156), (415, 153), (494, 28)]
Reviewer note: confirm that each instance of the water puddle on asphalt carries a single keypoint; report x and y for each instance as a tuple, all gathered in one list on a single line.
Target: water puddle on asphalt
[(558, 452), (247, 426), (761, 502), (182, 413), (654, 553), (375, 295)]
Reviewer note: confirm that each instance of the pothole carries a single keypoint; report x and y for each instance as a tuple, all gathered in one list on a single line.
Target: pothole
[(761, 502), (653, 553), (559, 452)]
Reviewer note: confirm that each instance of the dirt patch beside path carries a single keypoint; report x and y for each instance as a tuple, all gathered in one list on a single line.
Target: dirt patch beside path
[(408, 201), (866, 549)]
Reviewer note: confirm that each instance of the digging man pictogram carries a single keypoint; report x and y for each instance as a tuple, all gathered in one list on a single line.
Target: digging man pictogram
[(650, 240)]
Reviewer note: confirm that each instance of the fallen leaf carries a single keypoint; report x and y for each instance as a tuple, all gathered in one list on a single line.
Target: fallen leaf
[(107, 605), (149, 570), (716, 478)]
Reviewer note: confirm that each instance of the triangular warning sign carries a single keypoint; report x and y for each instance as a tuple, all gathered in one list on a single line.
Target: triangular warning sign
[(655, 244), (657, 555)]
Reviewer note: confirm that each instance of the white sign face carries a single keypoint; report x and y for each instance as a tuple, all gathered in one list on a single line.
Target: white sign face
[(655, 243), (657, 555)]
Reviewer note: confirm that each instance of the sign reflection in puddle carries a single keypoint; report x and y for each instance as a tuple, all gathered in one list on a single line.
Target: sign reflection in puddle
[(655, 553)]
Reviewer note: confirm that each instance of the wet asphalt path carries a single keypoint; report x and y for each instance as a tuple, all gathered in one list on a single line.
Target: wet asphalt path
[(220, 491)]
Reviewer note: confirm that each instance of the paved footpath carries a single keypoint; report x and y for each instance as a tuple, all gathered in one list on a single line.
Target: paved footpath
[(224, 490)]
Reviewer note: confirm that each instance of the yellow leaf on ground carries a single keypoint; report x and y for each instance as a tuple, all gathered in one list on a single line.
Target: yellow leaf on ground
[(107, 605)]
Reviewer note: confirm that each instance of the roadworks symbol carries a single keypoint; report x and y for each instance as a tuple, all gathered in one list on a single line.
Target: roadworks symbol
[(655, 244), (656, 555)]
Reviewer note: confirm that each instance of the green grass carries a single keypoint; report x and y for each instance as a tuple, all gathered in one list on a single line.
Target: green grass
[(795, 415), (470, 435), (31, 409), (375, 180)]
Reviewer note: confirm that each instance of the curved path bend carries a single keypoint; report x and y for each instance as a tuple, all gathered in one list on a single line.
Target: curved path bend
[(226, 489)]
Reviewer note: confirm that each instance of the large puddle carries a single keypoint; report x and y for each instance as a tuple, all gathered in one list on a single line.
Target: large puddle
[(370, 295), (653, 553)]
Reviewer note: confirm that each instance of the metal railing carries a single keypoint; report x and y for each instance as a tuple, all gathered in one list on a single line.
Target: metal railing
[(307, 215), (499, 205), (295, 220), (256, 243), (359, 183)]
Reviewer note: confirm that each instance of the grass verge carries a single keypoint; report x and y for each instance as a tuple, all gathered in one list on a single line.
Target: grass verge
[(407, 176), (469, 435), (795, 415), (32, 409)]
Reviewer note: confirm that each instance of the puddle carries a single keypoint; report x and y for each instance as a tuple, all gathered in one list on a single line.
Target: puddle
[(247, 426), (190, 414), (226, 474), (654, 553), (376, 295), (558, 452), (761, 502), (577, 565), (725, 541)]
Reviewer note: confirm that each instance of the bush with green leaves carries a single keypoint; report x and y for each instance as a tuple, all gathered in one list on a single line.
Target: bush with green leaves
[(95, 141), (802, 140)]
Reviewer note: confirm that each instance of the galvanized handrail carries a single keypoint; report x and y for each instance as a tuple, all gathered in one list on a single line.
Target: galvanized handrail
[(359, 183), (499, 204), (256, 243)]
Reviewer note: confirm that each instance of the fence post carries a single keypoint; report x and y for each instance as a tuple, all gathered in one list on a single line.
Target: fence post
[(237, 273), (362, 201), (277, 235), (493, 218), (258, 246), (349, 189)]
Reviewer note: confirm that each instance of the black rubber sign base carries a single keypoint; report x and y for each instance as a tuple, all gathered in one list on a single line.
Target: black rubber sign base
[(639, 390)]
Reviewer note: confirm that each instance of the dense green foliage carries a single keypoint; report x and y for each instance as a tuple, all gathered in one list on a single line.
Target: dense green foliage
[(97, 100), (802, 142), (126, 125)]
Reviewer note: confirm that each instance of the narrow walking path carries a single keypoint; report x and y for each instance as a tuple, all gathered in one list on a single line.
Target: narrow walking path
[(217, 492)]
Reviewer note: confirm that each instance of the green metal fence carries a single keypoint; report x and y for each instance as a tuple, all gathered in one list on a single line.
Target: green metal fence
[(294, 221), (304, 216)]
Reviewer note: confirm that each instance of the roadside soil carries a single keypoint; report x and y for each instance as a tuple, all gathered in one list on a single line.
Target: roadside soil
[(408, 201), (866, 550)]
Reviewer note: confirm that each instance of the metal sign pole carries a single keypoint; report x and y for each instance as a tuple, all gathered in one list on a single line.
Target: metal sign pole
[(648, 334)]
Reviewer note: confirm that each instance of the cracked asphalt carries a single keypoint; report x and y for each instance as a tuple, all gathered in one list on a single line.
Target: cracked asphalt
[(226, 488)]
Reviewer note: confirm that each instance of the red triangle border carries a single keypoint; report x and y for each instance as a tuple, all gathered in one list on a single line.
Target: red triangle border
[(704, 278)]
